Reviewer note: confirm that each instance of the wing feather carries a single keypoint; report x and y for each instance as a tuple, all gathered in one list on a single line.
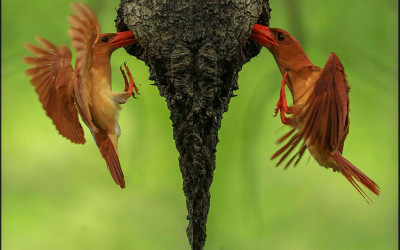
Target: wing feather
[(84, 31), (326, 116), (53, 79)]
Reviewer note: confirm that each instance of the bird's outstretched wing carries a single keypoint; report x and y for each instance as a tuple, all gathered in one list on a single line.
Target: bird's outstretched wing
[(326, 118), (84, 31), (53, 79)]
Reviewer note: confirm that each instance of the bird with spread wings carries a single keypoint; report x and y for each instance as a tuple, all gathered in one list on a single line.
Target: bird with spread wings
[(64, 92), (320, 114)]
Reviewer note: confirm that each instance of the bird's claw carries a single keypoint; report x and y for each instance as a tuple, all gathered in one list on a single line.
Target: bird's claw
[(277, 109), (131, 85), (281, 106)]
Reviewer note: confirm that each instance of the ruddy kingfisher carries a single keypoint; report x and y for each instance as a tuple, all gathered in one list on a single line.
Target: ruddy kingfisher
[(64, 92), (320, 112)]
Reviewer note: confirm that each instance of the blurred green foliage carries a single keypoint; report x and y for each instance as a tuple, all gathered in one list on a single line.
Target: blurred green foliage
[(57, 195)]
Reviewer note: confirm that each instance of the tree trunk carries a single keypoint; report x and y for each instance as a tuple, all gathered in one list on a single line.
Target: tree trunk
[(194, 50)]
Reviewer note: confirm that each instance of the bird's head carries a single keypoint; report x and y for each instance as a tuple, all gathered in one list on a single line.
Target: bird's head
[(284, 42), (287, 51), (107, 43)]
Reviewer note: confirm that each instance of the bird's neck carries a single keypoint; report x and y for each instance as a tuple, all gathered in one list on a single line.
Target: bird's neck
[(292, 61), (298, 67), (101, 63), (101, 58)]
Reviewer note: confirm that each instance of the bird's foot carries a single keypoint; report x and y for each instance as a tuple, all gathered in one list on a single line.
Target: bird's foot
[(131, 82), (125, 80), (283, 108), (131, 85)]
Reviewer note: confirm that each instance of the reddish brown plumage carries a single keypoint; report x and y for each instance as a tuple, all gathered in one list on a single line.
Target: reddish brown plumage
[(109, 153), (53, 81), (327, 113), (65, 92), (320, 113)]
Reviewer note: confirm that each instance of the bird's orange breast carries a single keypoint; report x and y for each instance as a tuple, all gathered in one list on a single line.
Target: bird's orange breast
[(103, 108)]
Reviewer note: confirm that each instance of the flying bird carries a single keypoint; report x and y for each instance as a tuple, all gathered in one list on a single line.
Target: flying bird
[(320, 112), (64, 92)]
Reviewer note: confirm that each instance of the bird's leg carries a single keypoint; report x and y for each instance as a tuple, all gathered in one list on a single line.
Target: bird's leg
[(282, 103), (131, 82)]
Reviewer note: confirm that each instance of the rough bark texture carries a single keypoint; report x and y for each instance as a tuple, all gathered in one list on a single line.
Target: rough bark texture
[(194, 51)]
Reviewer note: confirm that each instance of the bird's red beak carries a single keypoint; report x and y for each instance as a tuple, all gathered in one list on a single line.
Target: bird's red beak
[(262, 35), (123, 39)]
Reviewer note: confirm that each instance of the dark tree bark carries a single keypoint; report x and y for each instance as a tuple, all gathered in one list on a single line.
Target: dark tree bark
[(194, 50)]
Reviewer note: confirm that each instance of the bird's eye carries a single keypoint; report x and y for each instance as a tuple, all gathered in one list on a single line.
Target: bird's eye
[(281, 36), (104, 39)]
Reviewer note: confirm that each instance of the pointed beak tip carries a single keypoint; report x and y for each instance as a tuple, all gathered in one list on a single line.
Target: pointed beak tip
[(123, 39)]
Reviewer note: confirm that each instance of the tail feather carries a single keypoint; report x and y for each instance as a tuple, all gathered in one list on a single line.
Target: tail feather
[(109, 153), (351, 172)]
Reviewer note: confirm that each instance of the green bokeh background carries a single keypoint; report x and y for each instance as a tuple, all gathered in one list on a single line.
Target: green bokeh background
[(57, 195)]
